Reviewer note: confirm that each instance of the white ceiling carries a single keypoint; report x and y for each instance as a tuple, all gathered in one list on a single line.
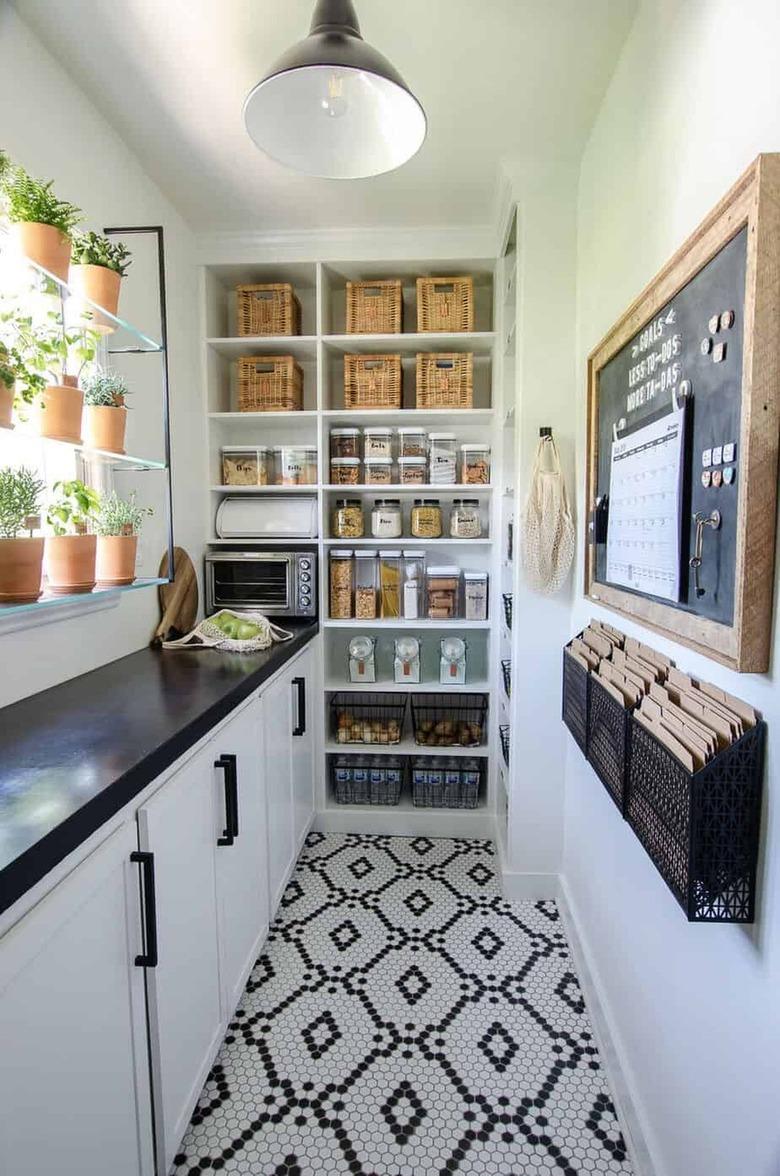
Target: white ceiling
[(519, 79)]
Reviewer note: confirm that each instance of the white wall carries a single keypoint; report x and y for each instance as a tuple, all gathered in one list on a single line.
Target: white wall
[(695, 1009), (52, 129)]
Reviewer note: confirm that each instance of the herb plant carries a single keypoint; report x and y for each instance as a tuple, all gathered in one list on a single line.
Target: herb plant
[(73, 508), (104, 388), (20, 500), (26, 199), (120, 517), (48, 349), (18, 375), (95, 249)]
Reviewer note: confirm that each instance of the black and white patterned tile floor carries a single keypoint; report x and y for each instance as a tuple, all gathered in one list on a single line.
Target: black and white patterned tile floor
[(406, 1019)]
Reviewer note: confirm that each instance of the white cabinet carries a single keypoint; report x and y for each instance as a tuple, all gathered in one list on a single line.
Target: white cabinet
[(241, 849), (177, 826), (74, 1087), (304, 699), (278, 718)]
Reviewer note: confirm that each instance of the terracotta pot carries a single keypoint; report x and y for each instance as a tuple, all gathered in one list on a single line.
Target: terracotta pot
[(44, 245), (116, 559), (100, 285), (20, 570), (6, 406), (59, 413), (70, 563), (104, 427)]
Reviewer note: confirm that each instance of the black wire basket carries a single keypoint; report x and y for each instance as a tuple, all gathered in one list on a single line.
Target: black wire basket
[(507, 598), (575, 699), (503, 731), (357, 779), (439, 782), (367, 718), (506, 673), (444, 720)]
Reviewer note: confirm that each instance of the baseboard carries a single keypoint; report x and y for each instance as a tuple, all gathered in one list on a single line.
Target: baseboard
[(633, 1125), (529, 887)]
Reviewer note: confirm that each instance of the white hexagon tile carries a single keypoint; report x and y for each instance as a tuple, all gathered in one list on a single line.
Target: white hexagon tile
[(405, 1019)]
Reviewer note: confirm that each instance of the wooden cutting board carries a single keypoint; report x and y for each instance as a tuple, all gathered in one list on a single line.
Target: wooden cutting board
[(179, 599)]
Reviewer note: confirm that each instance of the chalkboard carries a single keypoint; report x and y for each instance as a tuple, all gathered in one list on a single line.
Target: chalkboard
[(691, 353)]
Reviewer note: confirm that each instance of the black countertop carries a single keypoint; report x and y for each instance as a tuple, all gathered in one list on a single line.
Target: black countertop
[(72, 756)]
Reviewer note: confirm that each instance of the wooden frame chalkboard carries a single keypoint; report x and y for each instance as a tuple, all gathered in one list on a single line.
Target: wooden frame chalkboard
[(740, 635)]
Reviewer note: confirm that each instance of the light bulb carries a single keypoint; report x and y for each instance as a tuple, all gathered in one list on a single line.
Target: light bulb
[(334, 104)]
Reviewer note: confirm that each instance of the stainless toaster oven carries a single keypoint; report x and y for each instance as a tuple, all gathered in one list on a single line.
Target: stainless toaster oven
[(277, 583)]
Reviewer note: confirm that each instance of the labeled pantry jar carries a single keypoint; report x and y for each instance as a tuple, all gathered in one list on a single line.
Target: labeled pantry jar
[(347, 519), (443, 460), (475, 595), (412, 443), (412, 471), (378, 471), (465, 519), (244, 465), (345, 471), (345, 443), (386, 519), (443, 584), (296, 465), (341, 585), (377, 442), (475, 464), (366, 582), (426, 518), (390, 583)]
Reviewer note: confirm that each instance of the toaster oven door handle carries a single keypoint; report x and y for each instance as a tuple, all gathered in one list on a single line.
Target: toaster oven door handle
[(299, 684)]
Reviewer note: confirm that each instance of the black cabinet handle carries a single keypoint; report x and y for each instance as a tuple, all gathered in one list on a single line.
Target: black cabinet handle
[(146, 861), (300, 684), (229, 766)]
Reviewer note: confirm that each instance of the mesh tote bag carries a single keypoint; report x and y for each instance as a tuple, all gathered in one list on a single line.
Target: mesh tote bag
[(547, 526)]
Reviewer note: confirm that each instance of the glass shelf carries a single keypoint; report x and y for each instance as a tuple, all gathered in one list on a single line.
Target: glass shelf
[(103, 457), (48, 602), (37, 287)]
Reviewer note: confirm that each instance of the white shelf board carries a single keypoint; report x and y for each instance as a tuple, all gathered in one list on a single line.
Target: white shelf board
[(427, 687), (312, 489), (445, 418), (401, 623), (407, 746), (407, 541), (301, 346), (413, 491), (263, 416), (478, 342)]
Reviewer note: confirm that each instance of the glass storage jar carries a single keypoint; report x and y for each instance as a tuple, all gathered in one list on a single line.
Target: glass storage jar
[(341, 585), (465, 519), (475, 595), (296, 465), (377, 442), (412, 443), (378, 471), (246, 465), (414, 582), (386, 522), (475, 464), (345, 443), (347, 520), (443, 586), (390, 583), (443, 459), (412, 471), (345, 471), (366, 582), (426, 518)]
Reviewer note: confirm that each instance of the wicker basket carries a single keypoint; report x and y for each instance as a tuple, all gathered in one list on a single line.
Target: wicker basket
[(445, 304), (445, 380), (375, 308), (269, 383), (372, 381), (270, 309)]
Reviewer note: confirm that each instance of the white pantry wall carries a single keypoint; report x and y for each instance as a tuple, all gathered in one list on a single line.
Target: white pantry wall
[(49, 126), (695, 1010)]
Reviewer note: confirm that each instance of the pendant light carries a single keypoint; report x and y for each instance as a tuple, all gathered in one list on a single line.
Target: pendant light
[(332, 106)]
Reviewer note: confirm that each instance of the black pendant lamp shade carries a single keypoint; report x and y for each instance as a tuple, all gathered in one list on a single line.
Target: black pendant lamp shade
[(332, 106)]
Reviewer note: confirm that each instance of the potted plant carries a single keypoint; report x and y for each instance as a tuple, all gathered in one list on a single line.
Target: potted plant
[(48, 350), (21, 556), (118, 523), (105, 414), (19, 385), (41, 224), (96, 271), (71, 551)]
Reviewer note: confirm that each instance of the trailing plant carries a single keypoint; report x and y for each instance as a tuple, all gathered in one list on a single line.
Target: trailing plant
[(95, 249), (73, 508), (118, 516), (26, 199), (105, 388), (20, 501)]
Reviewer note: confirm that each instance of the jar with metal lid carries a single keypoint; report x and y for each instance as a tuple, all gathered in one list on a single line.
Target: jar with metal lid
[(412, 443), (247, 465), (465, 519), (345, 471), (377, 442), (347, 520), (386, 521), (475, 464), (443, 461), (378, 471), (443, 584), (412, 471), (426, 518), (366, 582), (341, 585), (345, 443), (475, 595)]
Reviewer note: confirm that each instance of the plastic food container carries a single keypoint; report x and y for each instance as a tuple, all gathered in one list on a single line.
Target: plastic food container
[(426, 518), (412, 471), (475, 595), (345, 471), (366, 583), (390, 583), (386, 521), (341, 585), (475, 464), (296, 465), (377, 442), (465, 519), (443, 585), (347, 521), (345, 443), (443, 461), (414, 582), (412, 443), (244, 465), (378, 471)]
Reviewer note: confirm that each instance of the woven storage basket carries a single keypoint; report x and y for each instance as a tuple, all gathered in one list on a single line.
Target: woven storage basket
[(445, 304), (270, 309), (445, 380), (375, 308), (269, 383), (372, 381)]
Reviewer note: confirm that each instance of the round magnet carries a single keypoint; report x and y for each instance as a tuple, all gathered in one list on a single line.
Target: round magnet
[(706, 346), (706, 478), (728, 475), (717, 478), (713, 324), (727, 320)]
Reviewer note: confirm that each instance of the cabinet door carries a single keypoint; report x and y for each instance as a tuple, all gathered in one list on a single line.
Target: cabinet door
[(74, 1082), (303, 745), (185, 1018), (241, 849), (277, 712)]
